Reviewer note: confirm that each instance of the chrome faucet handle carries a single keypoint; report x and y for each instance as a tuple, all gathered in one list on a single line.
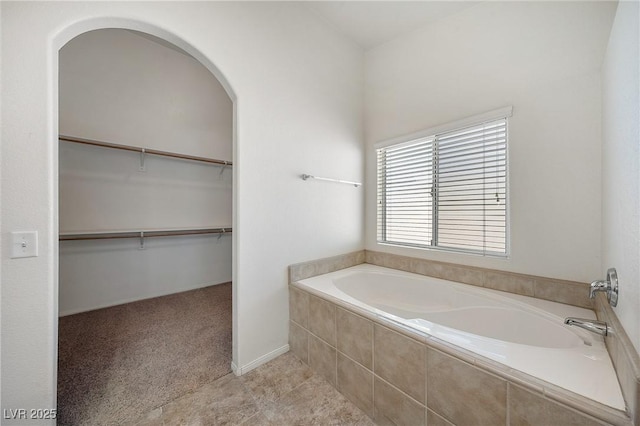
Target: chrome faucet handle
[(612, 279), (598, 285), (610, 286)]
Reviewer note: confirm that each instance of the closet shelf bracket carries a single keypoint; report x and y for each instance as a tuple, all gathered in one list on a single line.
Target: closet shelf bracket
[(143, 168), (224, 166)]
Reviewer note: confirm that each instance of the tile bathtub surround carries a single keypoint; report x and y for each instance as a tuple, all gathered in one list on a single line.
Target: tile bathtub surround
[(356, 383), (449, 380), (392, 349), (303, 270), (355, 337), (322, 319), (410, 379), (299, 306), (556, 290), (323, 359), (563, 291), (392, 407), (435, 420), (527, 408), (625, 358), (299, 341)]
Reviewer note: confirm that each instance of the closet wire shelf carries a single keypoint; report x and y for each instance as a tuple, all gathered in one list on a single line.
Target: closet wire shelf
[(143, 151), (107, 235), (141, 234)]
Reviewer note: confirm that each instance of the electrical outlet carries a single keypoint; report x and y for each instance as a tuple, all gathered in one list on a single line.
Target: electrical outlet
[(24, 244)]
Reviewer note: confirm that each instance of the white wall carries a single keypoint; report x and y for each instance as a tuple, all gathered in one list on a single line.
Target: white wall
[(544, 59), (118, 86), (123, 87), (297, 88), (621, 163)]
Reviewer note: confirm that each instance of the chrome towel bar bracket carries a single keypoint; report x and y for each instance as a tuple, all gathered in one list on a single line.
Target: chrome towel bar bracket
[(306, 176)]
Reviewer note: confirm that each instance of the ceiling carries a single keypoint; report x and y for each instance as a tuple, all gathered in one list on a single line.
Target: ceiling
[(371, 23)]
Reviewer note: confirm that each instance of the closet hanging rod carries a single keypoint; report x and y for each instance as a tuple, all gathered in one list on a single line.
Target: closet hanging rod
[(142, 234), (143, 150)]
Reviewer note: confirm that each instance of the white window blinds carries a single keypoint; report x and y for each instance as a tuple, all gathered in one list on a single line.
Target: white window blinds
[(446, 191)]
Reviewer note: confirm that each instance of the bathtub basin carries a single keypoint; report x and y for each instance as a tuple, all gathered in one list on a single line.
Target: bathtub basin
[(521, 332)]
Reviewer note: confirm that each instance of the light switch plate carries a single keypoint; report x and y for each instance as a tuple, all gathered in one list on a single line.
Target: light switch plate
[(24, 244)]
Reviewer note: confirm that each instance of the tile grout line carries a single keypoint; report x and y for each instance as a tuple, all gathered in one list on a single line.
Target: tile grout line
[(401, 391), (426, 381), (373, 368), (335, 334), (508, 406), (250, 392)]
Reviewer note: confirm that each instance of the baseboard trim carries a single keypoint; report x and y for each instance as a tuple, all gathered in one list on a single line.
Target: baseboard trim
[(239, 371)]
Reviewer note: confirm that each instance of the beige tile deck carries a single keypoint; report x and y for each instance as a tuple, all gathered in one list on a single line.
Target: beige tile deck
[(283, 391)]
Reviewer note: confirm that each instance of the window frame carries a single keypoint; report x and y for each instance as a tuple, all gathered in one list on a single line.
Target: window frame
[(433, 132)]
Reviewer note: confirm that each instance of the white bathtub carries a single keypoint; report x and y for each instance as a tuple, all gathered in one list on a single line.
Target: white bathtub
[(524, 333)]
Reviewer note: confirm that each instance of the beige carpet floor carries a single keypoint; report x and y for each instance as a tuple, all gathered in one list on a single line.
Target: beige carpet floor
[(118, 363)]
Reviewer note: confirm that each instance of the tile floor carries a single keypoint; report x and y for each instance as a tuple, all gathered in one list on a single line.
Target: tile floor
[(283, 391)]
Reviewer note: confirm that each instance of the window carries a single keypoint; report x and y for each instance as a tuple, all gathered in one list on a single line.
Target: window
[(447, 190)]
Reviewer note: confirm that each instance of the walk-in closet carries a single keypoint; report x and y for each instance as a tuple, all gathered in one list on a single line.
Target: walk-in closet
[(145, 212)]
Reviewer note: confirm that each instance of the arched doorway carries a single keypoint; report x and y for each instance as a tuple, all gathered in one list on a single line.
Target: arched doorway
[(85, 28)]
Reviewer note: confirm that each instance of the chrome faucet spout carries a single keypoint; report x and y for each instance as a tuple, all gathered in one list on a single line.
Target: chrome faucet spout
[(594, 326)]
